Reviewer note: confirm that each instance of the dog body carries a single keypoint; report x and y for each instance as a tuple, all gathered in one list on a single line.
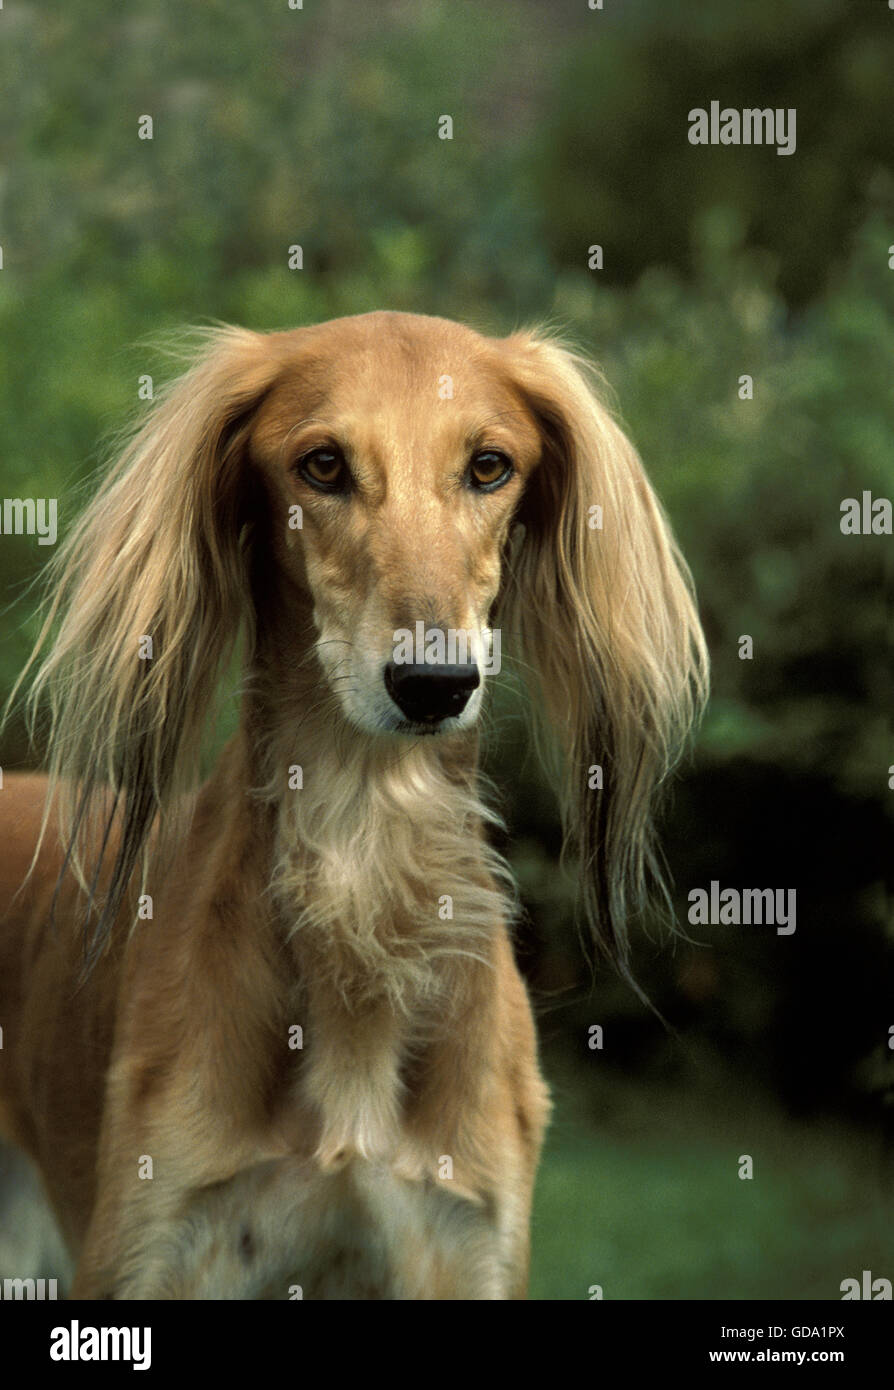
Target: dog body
[(408, 1177), (302, 1061)]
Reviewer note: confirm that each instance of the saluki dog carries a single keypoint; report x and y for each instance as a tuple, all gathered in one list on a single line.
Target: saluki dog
[(264, 1035)]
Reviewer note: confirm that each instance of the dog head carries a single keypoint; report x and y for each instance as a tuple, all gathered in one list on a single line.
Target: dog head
[(386, 503)]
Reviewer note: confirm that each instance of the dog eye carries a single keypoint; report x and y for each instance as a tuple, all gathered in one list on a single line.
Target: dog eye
[(325, 469), (489, 470)]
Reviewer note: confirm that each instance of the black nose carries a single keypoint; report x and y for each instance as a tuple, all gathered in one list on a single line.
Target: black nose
[(426, 693)]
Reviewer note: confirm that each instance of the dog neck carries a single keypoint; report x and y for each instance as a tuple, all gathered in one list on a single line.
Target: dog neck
[(389, 901), (381, 870)]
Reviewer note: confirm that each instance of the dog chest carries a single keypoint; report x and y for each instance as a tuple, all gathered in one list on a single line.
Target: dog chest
[(283, 1230)]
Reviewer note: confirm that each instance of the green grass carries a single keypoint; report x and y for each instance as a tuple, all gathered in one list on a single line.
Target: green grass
[(647, 1201)]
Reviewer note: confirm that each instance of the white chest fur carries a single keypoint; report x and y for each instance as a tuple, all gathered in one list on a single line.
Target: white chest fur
[(284, 1230)]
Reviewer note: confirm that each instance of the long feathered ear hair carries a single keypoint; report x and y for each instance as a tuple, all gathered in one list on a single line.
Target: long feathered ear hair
[(605, 624), (146, 597)]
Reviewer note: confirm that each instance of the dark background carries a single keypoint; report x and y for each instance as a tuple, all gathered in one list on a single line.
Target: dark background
[(319, 127)]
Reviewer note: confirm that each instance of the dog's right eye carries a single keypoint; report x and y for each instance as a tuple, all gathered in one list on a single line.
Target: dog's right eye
[(326, 470)]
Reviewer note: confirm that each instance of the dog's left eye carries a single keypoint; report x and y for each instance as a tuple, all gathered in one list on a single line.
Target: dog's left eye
[(489, 470), (325, 469)]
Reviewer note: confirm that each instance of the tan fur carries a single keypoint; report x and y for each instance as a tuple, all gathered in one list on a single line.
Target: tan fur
[(394, 1154)]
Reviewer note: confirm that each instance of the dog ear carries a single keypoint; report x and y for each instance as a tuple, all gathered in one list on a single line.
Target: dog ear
[(147, 595), (598, 603)]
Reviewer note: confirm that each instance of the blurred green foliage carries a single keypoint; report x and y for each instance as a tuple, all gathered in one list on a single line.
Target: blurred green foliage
[(616, 163), (645, 1200), (319, 127)]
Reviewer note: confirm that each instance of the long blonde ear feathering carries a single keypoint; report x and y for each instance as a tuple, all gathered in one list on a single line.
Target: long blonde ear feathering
[(146, 596), (605, 622)]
